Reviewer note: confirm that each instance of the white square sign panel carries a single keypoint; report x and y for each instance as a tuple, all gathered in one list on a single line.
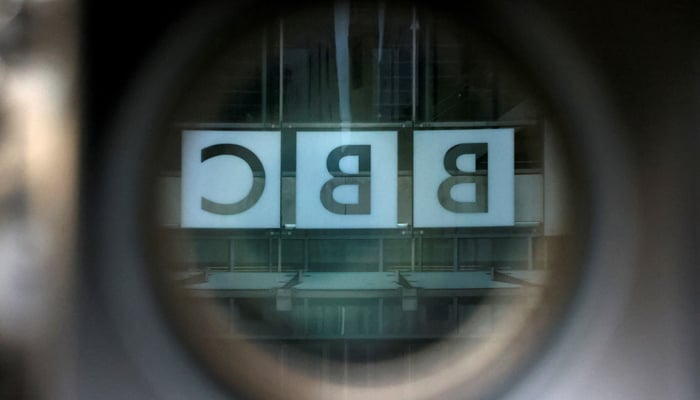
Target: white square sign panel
[(346, 179), (230, 179), (454, 186)]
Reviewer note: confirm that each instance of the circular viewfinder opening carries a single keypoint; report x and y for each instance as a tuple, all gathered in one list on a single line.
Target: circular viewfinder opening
[(364, 200)]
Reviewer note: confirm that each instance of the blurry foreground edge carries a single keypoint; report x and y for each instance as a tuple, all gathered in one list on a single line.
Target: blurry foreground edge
[(606, 309)]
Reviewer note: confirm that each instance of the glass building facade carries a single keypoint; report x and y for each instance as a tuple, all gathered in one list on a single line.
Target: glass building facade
[(364, 294)]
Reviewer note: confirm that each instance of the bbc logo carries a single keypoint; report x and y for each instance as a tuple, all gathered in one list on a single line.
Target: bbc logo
[(461, 178)]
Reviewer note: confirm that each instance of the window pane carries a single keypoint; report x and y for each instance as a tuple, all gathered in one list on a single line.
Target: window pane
[(359, 71)]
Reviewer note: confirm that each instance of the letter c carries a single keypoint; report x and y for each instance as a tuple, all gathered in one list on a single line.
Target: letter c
[(258, 179)]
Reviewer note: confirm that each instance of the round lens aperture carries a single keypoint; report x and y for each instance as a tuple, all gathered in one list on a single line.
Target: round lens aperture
[(364, 198)]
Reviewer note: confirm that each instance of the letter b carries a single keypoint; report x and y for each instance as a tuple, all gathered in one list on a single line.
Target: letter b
[(361, 179), (460, 177)]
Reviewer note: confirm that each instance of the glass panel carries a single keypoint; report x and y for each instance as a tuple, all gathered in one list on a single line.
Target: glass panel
[(343, 255), (461, 80), (310, 81), (243, 87), (252, 253), (438, 254), (208, 253), (397, 254), (348, 64)]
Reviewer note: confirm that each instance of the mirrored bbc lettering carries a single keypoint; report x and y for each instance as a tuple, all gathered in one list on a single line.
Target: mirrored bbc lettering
[(347, 179)]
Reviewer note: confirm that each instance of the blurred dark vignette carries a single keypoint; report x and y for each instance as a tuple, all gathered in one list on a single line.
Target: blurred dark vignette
[(57, 339)]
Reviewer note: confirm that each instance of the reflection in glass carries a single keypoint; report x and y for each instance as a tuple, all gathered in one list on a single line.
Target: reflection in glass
[(365, 294)]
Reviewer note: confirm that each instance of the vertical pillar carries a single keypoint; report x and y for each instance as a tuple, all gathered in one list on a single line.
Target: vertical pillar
[(269, 252), (428, 71), (263, 77), (381, 255), (231, 255), (455, 254), (413, 253), (281, 73), (342, 57), (279, 252), (414, 66)]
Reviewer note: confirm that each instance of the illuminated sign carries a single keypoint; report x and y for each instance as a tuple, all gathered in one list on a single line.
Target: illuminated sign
[(461, 178), (230, 180), (346, 180)]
